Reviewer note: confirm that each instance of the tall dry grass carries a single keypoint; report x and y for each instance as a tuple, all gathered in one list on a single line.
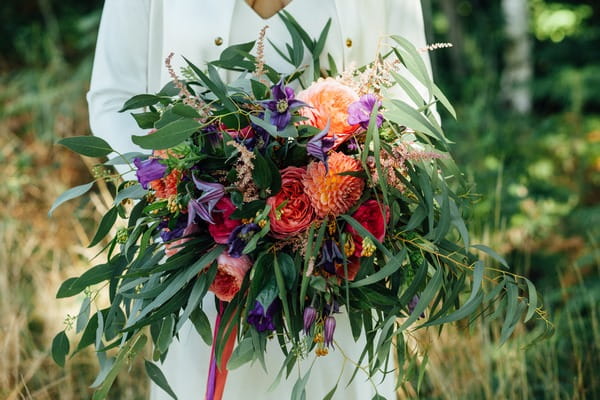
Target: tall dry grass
[(37, 252)]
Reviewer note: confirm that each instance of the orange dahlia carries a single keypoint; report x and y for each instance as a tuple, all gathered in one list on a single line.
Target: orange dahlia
[(329, 192)]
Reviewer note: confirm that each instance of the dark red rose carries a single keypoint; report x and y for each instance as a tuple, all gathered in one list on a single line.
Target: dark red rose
[(369, 215)]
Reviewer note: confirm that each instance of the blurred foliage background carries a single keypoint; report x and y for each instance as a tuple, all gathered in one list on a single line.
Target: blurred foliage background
[(524, 76)]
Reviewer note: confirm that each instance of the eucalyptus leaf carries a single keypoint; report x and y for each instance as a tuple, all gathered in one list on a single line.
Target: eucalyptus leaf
[(140, 101), (106, 224), (70, 194), (242, 354), (202, 325), (91, 146), (125, 159), (83, 315), (168, 136), (158, 377), (166, 333), (60, 348), (135, 191)]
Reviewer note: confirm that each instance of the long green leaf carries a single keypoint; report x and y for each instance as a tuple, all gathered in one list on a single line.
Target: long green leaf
[(390, 267), (165, 335), (157, 377), (70, 195), (131, 348), (491, 253), (106, 223), (532, 302), (430, 291), (168, 136), (131, 192), (177, 284)]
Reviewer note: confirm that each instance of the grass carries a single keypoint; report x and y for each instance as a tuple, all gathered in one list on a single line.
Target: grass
[(37, 252)]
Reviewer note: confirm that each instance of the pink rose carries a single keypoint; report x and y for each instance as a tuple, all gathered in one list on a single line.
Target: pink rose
[(223, 225), (297, 213), (370, 216), (230, 274), (175, 246)]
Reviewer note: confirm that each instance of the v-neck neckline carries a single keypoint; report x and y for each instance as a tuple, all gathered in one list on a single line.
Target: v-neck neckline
[(253, 3)]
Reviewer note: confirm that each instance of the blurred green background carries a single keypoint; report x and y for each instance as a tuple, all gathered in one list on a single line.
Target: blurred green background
[(524, 76)]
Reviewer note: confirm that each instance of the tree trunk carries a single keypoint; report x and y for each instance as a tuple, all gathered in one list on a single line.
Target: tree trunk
[(516, 77)]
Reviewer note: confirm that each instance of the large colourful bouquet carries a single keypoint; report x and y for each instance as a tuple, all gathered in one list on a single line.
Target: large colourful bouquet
[(294, 203)]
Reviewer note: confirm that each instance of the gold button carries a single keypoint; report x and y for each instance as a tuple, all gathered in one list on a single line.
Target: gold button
[(348, 42), (218, 40)]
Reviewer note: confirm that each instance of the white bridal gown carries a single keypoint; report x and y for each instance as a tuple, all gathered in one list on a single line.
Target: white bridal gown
[(134, 39)]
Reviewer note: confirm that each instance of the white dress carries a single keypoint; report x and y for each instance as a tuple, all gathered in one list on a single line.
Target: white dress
[(134, 39)]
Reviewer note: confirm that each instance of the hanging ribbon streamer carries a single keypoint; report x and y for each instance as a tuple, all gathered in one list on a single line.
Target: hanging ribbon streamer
[(217, 374)]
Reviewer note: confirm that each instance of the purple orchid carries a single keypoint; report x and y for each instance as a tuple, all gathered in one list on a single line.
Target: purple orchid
[(320, 145), (328, 330), (148, 170), (203, 205), (261, 320), (239, 238), (309, 317), (282, 104), (360, 111)]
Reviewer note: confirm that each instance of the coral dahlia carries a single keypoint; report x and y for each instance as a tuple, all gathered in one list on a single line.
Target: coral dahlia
[(329, 192)]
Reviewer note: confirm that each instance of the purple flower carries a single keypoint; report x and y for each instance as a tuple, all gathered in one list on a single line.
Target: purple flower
[(310, 316), (175, 232), (282, 104), (203, 205), (412, 304), (148, 170), (360, 111), (239, 238), (330, 256), (320, 145), (332, 308), (261, 320), (328, 330)]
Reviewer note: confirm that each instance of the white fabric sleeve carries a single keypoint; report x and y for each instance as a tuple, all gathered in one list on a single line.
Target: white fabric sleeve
[(119, 71)]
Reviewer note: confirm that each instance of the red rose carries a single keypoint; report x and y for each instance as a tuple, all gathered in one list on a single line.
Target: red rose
[(369, 215), (223, 225), (297, 213), (230, 274)]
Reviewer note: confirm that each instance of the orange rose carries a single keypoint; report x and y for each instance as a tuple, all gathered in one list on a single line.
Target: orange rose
[(297, 213), (230, 274), (329, 100)]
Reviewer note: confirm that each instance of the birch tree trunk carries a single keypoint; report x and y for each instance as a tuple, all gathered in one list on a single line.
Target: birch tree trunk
[(516, 77)]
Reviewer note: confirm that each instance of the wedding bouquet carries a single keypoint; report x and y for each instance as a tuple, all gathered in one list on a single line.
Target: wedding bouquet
[(295, 203)]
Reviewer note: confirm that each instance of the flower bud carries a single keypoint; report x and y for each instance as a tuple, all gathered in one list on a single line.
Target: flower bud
[(328, 330), (310, 316)]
